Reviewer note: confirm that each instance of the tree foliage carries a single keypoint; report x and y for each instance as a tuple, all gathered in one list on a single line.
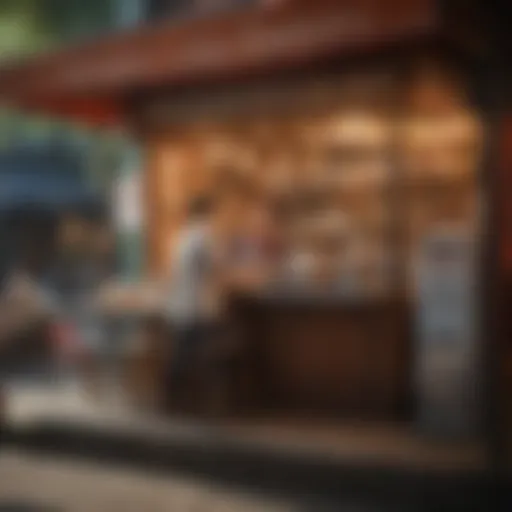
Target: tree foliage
[(66, 19), (21, 29), (31, 25)]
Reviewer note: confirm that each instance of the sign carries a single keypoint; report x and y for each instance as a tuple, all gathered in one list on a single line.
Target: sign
[(446, 333)]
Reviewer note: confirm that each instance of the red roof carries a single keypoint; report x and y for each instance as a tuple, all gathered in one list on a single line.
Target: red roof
[(91, 82)]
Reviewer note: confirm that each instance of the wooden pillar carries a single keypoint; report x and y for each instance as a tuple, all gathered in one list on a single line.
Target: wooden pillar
[(500, 360), (174, 174)]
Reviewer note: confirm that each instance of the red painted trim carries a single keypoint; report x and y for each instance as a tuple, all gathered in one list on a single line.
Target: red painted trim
[(246, 42)]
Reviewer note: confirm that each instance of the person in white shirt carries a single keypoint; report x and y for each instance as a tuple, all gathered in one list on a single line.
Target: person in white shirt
[(206, 268), (191, 308)]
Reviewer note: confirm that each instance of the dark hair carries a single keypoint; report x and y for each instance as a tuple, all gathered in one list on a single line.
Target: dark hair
[(200, 206)]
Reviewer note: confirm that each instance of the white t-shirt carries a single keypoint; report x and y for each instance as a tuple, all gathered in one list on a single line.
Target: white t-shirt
[(191, 276)]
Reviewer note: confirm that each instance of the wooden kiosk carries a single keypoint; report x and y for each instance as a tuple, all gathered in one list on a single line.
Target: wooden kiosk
[(367, 104)]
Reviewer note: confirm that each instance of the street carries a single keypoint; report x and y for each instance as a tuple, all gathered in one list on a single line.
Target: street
[(33, 483), (75, 432)]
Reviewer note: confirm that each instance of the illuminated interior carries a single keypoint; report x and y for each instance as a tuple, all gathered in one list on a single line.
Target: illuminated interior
[(382, 171)]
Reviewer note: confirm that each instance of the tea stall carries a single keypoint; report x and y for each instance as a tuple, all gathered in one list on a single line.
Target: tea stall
[(360, 117)]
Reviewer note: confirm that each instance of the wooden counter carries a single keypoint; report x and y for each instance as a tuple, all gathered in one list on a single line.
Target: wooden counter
[(324, 356), (306, 356)]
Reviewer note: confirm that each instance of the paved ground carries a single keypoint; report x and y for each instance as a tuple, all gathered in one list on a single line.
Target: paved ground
[(30, 483), (84, 487)]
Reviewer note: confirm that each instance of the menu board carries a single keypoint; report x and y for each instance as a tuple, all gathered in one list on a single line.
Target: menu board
[(447, 371)]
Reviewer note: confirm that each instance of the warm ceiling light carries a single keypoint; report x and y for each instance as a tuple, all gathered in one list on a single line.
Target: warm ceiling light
[(444, 129), (358, 129)]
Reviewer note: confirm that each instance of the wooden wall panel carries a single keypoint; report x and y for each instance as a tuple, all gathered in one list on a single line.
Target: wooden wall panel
[(341, 360), (175, 174)]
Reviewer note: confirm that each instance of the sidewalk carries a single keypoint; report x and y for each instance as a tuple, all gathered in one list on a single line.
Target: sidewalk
[(31, 482), (349, 460)]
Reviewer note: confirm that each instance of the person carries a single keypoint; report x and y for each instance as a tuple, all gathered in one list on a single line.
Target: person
[(27, 310), (220, 251), (192, 304), (75, 277)]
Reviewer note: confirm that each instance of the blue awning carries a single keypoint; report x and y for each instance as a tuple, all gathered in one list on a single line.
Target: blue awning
[(44, 176), (43, 190)]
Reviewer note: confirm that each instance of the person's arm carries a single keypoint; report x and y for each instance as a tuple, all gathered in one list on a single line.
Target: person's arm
[(243, 276)]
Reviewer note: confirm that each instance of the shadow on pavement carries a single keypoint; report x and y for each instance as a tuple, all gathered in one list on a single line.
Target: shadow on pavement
[(240, 466), (21, 506)]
